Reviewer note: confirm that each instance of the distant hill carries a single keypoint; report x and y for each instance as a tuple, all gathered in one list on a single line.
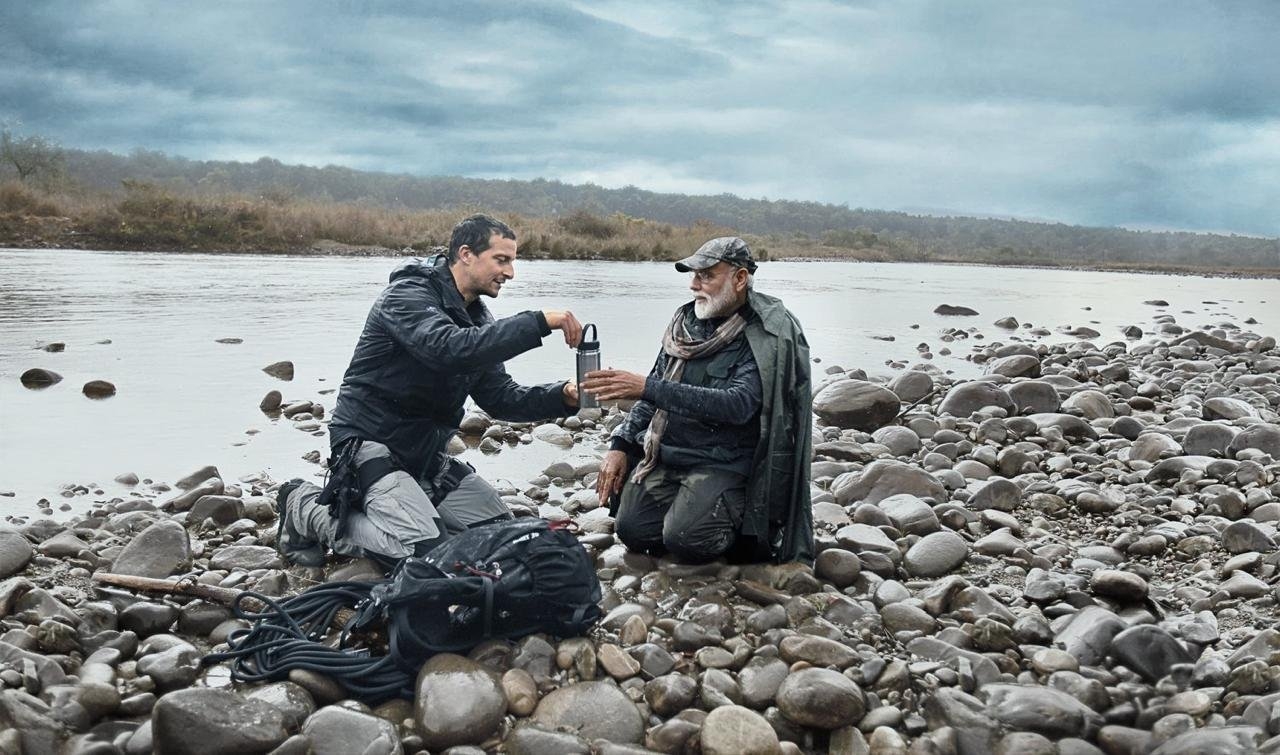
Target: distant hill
[(829, 226)]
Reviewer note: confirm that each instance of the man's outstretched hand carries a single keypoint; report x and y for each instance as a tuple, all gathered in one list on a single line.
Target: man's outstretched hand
[(610, 478), (570, 393), (608, 385), (563, 320)]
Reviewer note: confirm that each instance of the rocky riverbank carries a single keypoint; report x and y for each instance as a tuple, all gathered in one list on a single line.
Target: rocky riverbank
[(1076, 553)]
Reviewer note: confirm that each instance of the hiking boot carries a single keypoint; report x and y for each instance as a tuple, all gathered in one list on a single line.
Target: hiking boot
[(294, 545)]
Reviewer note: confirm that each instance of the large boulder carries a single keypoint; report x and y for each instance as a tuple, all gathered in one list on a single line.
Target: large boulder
[(1018, 365), (1149, 650), (281, 370), (553, 434), (98, 389), (457, 702), (821, 699), (1264, 437), (198, 477), (1088, 634), (334, 730), (1090, 404), (909, 514), (1034, 396), (856, 404), (1046, 710), (1152, 446), (1208, 439), (901, 441), (735, 730), (967, 398), (200, 721), (15, 552), (884, 478), (37, 377), (1228, 408), (935, 554), (156, 552), (912, 385), (595, 710)]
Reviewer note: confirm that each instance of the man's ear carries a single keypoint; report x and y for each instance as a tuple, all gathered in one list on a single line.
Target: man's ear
[(740, 276)]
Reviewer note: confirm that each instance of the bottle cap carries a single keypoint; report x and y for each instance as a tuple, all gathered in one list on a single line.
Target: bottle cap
[(594, 343)]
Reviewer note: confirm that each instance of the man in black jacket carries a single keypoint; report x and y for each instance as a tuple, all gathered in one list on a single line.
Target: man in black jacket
[(427, 344), (720, 434)]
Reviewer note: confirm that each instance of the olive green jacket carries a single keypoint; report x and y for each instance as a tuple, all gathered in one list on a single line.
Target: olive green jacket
[(778, 522)]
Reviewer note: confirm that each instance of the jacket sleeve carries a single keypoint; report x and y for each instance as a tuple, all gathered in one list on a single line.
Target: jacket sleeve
[(505, 399), (734, 405), (626, 436), (434, 339)]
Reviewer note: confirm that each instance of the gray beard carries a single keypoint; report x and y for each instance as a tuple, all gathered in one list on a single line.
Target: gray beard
[(720, 305)]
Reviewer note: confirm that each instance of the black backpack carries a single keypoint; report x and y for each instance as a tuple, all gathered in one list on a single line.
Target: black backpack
[(506, 580)]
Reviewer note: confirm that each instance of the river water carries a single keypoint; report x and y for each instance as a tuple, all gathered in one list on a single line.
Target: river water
[(150, 322)]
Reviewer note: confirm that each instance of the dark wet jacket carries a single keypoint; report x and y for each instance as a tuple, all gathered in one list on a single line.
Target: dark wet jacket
[(713, 410), (778, 522), (422, 352)]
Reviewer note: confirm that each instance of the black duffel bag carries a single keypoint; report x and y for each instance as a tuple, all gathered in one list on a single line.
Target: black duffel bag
[(508, 579)]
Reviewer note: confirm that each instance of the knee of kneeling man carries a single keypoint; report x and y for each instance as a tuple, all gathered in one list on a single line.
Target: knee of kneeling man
[(633, 537), (697, 550)]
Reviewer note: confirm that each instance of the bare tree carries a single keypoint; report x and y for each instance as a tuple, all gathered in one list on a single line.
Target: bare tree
[(30, 156)]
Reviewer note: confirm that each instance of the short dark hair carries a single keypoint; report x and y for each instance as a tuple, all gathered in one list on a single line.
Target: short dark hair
[(474, 233)]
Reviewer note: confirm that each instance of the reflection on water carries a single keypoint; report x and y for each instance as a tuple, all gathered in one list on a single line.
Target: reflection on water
[(185, 400)]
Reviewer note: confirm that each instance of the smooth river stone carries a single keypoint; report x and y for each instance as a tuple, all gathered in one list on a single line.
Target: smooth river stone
[(457, 702), (734, 730), (884, 478), (553, 434), (595, 710), (935, 554), (821, 698), (15, 552), (967, 398), (156, 552), (334, 730), (856, 404), (200, 721), (818, 651), (1041, 709)]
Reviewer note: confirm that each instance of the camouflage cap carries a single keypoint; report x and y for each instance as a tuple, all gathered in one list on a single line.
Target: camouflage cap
[(729, 249)]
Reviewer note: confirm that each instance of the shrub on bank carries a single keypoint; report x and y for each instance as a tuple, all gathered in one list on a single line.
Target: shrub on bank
[(21, 200)]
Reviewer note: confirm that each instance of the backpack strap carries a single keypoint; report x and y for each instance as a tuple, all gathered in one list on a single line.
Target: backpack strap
[(373, 470), (488, 607)]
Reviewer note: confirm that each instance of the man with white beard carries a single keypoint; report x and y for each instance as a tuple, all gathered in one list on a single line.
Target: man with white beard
[(713, 459)]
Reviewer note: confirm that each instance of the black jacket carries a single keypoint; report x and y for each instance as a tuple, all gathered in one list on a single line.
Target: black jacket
[(422, 352), (713, 409)]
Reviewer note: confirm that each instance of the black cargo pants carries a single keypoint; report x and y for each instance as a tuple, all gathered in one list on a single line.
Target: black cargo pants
[(693, 514)]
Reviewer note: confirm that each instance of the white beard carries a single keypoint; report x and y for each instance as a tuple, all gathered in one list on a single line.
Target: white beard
[(717, 306)]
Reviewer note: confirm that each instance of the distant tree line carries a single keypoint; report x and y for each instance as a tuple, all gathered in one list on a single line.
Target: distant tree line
[(588, 211)]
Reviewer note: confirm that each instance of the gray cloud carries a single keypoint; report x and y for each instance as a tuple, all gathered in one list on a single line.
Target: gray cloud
[(1143, 113)]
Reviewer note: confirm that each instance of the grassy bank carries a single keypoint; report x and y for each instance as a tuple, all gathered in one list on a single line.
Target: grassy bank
[(143, 216)]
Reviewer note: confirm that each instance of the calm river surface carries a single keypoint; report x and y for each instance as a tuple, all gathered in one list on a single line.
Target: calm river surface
[(149, 323)]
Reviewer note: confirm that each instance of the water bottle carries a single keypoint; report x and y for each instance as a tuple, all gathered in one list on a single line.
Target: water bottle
[(588, 361)]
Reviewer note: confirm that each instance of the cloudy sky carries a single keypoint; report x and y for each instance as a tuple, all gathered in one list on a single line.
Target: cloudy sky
[(1142, 113)]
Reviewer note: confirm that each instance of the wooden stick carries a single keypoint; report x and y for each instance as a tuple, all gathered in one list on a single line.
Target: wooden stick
[(223, 595)]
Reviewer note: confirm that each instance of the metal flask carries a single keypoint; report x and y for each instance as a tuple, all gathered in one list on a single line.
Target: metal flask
[(588, 361)]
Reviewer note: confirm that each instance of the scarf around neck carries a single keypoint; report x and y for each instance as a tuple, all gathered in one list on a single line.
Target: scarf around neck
[(680, 346)]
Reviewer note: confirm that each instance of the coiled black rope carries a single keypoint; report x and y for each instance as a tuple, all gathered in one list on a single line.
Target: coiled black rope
[(287, 635)]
